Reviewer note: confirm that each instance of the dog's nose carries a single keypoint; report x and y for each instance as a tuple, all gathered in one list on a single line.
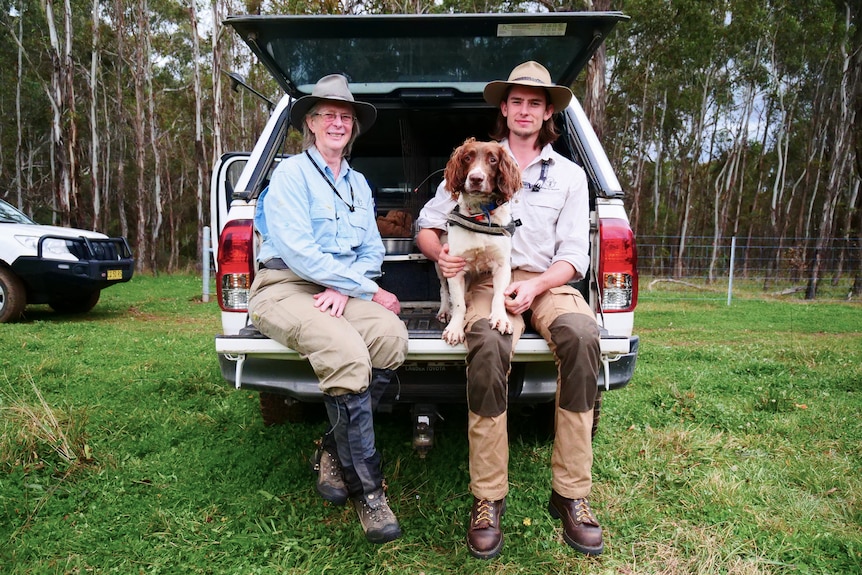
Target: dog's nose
[(476, 179)]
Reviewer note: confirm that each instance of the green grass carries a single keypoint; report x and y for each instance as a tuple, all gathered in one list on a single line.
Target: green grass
[(736, 449)]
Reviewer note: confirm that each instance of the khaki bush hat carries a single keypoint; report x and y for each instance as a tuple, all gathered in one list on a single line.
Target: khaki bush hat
[(530, 74), (333, 88)]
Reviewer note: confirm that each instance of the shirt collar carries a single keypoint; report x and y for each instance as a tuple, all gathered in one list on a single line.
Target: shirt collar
[(544, 156), (318, 157)]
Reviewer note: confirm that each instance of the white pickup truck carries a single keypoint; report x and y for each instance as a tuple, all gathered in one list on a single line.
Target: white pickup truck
[(425, 74), (66, 268)]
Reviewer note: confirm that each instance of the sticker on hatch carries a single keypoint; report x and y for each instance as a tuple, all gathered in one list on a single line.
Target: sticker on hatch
[(115, 274), (532, 29)]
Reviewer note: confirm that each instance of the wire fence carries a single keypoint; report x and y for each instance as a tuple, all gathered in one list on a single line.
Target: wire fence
[(703, 267)]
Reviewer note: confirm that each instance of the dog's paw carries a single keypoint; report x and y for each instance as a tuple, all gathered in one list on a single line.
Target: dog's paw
[(503, 323), (453, 335), (443, 316)]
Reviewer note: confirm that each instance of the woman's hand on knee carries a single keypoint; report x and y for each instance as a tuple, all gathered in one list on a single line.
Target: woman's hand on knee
[(332, 301)]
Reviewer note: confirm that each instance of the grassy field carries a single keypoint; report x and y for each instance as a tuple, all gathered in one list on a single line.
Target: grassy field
[(737, 449)]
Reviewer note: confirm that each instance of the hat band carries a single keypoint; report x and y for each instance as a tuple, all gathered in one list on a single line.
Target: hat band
[(530, 79)]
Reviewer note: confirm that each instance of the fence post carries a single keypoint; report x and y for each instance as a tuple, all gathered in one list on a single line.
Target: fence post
[(730, 279), (205, 297)]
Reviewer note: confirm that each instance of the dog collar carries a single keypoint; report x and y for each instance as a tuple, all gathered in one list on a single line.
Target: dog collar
[(481, 223)]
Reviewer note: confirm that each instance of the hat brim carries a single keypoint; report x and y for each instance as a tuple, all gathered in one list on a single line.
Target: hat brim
[(366, 114), (560, 95)]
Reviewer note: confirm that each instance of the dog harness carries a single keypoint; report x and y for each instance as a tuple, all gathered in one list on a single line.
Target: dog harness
[(482, 222)]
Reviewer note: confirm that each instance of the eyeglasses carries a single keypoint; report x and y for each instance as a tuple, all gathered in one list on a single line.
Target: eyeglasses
[(329, 117)]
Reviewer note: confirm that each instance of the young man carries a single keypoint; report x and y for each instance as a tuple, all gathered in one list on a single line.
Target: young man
[(549, 249)]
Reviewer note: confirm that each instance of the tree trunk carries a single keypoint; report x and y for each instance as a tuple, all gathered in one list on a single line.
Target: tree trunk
[(659, 160), (70, 107), (695, 155), (94, 122), (142, 196), (201, 170), (841, 157), (856, 7), (60, 166), (158, 208), (120, 118), (19, 127), (217, 94), (596, 94)]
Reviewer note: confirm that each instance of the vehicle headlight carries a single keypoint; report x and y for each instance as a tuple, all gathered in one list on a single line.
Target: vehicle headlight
[(29, 242), (51, 247)]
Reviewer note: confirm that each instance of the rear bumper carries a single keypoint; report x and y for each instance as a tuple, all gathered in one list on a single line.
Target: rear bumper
[(432, 373)]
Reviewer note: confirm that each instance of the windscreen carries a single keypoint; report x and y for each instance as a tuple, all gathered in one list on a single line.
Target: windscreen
[(380, 54)]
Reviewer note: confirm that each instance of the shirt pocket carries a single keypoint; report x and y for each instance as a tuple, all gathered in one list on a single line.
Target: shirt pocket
[(323, 226), (358, 218), (542, 212), (545, 203), (355, 234)]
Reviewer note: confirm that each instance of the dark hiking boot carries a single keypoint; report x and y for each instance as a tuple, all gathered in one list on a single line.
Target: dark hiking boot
[(484, 536), (377, 519), (330, 476), (581, 529)]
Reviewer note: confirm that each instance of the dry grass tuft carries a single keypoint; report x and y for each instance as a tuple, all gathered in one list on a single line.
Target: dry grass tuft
[(696, 549), (34, 434)]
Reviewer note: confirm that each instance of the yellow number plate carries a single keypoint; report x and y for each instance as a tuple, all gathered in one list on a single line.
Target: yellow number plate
[(115, 274)]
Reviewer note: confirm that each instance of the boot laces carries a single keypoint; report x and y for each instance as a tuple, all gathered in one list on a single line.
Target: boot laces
[(484, 513), (378, 514), (584, 513), (334, 464)]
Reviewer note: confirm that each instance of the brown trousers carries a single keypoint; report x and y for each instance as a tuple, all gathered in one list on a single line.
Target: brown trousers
[(567, 323)]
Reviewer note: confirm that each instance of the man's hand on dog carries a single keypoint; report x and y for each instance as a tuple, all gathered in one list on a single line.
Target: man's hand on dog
[(449, 265)]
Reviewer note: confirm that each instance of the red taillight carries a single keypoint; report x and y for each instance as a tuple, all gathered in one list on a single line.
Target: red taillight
[(235, 265), (618, 262)]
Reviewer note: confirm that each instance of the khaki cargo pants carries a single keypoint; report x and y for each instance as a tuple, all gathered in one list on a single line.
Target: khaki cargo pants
[(566, 322), (341, 350)]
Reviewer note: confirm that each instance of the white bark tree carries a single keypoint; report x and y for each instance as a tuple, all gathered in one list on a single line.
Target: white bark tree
[(95, 176)]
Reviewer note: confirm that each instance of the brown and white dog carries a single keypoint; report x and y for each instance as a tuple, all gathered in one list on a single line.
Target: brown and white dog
[(482, 177)]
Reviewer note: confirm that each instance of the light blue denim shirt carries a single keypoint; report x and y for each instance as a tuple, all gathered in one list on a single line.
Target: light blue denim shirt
[(302, 221)]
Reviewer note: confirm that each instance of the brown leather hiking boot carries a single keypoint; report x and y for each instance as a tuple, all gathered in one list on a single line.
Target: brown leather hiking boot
[(581, 529), (484, 537), (377, 519), (330, 476)]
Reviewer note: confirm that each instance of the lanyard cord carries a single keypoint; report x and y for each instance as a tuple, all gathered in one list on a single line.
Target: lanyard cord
[(322, 175)]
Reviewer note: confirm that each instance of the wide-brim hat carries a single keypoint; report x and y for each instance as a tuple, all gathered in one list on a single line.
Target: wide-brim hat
[(530, 74), (332, 88)]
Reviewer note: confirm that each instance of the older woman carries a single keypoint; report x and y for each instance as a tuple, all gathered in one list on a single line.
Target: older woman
[(315, 292)]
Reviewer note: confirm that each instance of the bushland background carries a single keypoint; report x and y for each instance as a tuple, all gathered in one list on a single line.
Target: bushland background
[(723, 118)]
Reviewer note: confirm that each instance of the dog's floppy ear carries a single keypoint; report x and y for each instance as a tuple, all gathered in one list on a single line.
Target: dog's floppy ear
[(455, 172), (508, 175)]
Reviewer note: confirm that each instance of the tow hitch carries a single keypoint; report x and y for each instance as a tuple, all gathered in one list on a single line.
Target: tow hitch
[(424, 417)]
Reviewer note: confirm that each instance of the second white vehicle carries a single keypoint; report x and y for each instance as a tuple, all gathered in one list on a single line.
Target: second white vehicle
[(66, 268)]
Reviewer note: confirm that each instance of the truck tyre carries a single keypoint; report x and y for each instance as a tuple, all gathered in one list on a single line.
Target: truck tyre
[(76, 304), (597, 412), (276, 409), (542, 418), (13, 296)]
